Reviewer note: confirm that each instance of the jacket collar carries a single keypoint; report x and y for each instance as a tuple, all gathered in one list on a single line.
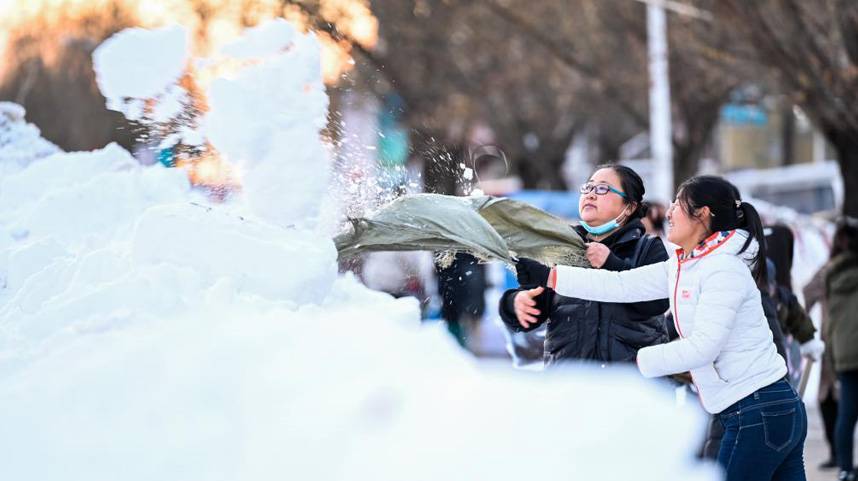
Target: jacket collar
[(728, 242)]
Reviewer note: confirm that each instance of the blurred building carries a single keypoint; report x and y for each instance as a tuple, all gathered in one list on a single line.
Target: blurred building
[(772, 152), (769, 149)]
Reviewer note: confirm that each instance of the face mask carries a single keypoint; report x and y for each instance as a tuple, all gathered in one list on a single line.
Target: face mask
[(604, 228)]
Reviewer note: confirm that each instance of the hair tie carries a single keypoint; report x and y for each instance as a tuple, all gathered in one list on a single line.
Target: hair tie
[(739, 213)]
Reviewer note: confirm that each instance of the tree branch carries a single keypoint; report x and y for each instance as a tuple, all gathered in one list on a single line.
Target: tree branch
[(565, 55)]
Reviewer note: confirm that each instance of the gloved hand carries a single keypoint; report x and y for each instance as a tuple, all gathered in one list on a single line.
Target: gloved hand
[(812, 349), (531, 273)]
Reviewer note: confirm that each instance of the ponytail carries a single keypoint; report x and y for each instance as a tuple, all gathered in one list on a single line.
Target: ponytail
[(749, 219)]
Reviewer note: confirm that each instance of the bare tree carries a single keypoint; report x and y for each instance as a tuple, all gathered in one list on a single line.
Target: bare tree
[(55, 82), (812, 48), (604, 41), (455, 64)]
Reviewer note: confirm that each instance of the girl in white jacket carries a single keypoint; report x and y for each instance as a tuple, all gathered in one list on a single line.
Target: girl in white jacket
[(725, 341)]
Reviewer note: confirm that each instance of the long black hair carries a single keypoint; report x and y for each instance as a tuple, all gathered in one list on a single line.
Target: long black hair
[(780, 243), (632, 185), (727, 212)]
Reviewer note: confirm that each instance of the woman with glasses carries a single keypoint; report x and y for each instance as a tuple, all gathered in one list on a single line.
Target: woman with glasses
[(610, 208)]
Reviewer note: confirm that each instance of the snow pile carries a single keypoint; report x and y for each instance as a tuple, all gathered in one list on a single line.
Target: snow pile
[(20, 142), (145, 334)]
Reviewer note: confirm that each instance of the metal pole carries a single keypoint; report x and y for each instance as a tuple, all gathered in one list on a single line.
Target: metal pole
[(661, 141)]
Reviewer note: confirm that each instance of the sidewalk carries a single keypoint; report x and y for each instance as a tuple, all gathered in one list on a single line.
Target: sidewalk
[(816, 449)]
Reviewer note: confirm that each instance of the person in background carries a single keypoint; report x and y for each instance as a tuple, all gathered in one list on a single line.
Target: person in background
[(770, 309), (794, 320), (654, 219), (827, 395), (610, 209), (462, 287), (841, 287)]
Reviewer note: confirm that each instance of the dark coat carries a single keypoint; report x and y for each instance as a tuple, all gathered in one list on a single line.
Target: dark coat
[(841, 282), (600, 331), (462, 287), (792, 316)]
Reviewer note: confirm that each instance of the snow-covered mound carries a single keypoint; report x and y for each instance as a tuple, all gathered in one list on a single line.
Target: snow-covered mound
[(147, 334), (20, 142)]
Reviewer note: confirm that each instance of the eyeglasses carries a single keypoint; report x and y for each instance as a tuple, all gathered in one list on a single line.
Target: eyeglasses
[(600, 189)]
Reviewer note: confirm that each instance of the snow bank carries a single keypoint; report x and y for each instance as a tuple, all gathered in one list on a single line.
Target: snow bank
[(261, 258), (20, 142), (146, 334)]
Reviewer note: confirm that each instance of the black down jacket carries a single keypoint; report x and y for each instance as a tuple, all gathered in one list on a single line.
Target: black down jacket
[(600, 331)]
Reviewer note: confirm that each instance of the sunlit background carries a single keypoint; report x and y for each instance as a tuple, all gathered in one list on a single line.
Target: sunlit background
[(45, 66)]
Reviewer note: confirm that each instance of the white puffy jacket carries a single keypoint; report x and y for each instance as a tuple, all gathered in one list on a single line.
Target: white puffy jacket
[(725, 341)]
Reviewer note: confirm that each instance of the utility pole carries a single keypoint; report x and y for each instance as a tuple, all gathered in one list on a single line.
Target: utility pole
[(660, 123)]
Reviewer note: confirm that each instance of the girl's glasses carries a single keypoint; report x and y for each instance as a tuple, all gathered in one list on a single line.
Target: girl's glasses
[(600, 189)]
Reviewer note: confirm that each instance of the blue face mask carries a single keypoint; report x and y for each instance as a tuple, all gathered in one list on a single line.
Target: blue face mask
[(604, 228)]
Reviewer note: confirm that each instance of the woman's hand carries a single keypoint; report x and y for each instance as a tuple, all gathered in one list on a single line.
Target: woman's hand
[(525, 306), (597, 254)]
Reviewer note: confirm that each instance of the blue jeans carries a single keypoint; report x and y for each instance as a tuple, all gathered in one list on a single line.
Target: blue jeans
[(764, 436), (847, 416)]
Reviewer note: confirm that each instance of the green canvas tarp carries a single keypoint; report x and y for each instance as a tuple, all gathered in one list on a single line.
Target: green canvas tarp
[(487, 227)]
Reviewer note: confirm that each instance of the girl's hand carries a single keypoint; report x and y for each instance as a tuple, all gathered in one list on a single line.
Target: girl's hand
[(597, 254), (525, 306)]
